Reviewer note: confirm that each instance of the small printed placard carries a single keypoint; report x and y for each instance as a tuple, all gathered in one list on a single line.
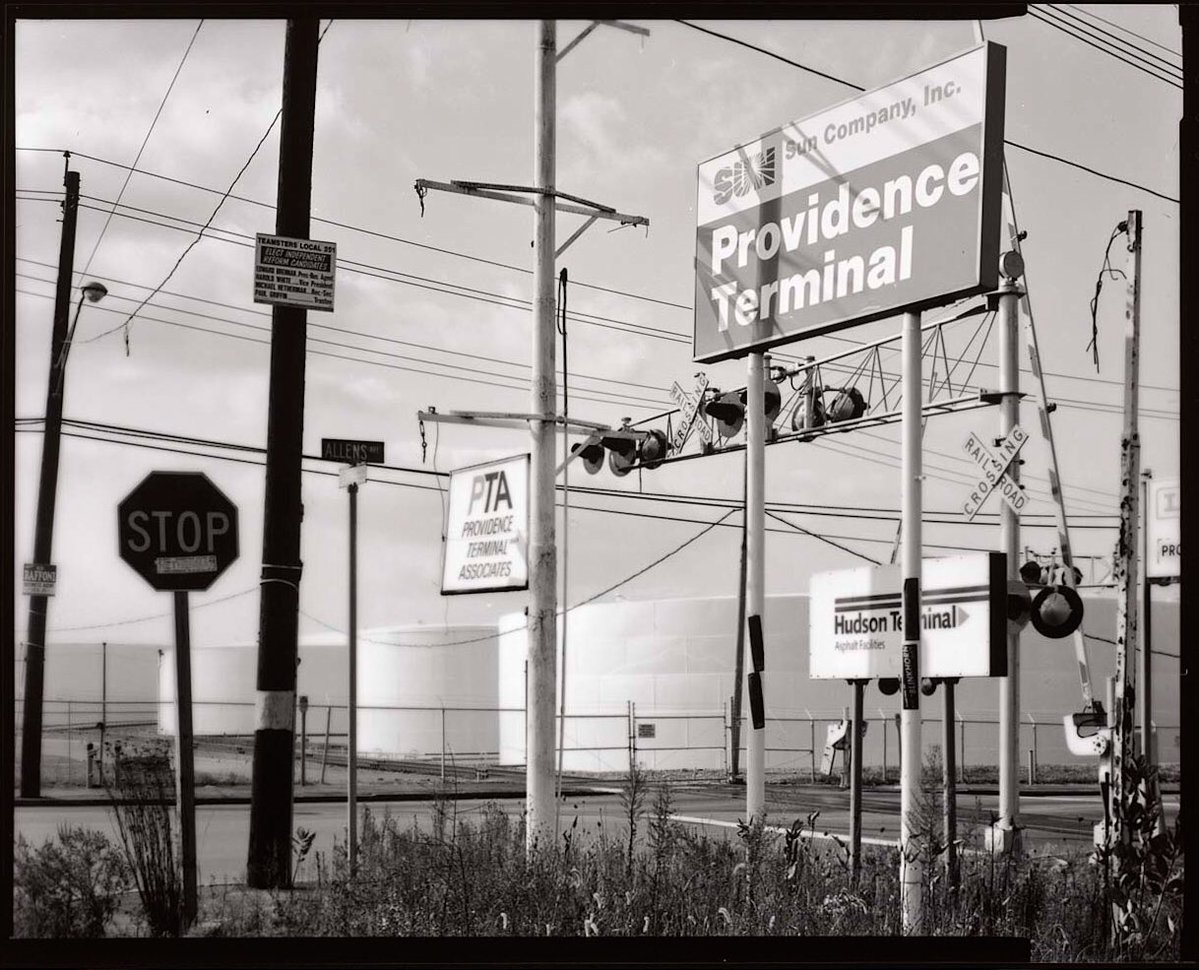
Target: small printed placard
[(294, 272), (40, 579)]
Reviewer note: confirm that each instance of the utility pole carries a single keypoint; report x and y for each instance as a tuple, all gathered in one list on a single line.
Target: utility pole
[(543, 564), (352, 730), (949, 779), (855, 781), (739, 660), (1124, 712), (268, 864), (755, 586), (43, 540), (1007, 831), (1145, 668), (911, 865)]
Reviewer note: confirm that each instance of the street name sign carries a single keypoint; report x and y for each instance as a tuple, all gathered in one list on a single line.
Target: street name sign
[(1163, 521), (887, 202), (294, 272), (995, 477), (487, 528), (856, 620), (177, 530), (688, 405), (40, 579), (352, 452)]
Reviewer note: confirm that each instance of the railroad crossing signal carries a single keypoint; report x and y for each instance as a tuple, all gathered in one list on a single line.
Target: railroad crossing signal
[(178, 530), (994, 472)]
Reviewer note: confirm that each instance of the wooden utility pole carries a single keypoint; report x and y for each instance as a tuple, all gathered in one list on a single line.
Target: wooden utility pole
[(1124, 709), (269, 859), (35, 644)]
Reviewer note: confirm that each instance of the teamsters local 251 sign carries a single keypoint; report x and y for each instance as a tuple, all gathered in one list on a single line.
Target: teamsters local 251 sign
[(885, 203)]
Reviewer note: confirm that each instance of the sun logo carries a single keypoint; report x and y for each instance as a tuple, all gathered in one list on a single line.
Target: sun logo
[(743, 177)]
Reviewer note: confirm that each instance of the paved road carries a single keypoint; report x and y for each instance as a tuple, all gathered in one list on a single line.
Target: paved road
[(222, 831)]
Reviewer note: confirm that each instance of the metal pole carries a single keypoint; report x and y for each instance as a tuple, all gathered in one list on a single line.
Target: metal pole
[(325, 751), (68, 742), (911, 865), (352, 729), (739, 658), (962, 748), (103, 704), (855, 783), (1126, 565), (884, 723), (303, 741), (35, 646), (268, 864), (185, 770), (949, 780), (542, 635), (1145, 668), (1007, 829), (443, 744), (755, 546)]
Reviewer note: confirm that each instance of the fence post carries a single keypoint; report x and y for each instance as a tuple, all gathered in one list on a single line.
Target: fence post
[(883, 718), (812, 743), (1036, 758), (69, 764), (443, 744), (325, 751), (726, 724), (962, 749)]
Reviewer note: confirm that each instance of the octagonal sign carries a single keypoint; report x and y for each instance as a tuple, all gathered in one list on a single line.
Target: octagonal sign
[(178, 530)]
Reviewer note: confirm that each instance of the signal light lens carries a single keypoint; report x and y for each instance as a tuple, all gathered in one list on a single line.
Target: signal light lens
[(653, 449), (591, 454), (1056, 612), (888, 685), (1031, 572), (928, 686), (729, 412), (847, 405)]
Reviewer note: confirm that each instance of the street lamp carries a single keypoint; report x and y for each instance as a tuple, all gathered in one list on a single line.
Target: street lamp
[(95, 292)]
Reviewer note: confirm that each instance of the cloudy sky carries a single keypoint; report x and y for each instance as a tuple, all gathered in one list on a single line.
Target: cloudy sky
[(434, 308)]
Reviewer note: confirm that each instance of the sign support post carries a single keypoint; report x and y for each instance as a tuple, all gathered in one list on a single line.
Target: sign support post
[(949, 780), (185, 768), (352, 730), (739, 658), (755, 539), (1145, 668), (855, 782), (911, 865), (1007, 830)]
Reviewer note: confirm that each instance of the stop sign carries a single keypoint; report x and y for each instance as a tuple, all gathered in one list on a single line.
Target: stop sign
[(177, 530)]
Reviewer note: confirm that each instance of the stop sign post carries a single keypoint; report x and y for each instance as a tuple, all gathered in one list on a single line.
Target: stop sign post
[(179, 532)]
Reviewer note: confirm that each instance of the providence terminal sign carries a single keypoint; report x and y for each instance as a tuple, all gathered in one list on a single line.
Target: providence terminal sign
[(876, 206)]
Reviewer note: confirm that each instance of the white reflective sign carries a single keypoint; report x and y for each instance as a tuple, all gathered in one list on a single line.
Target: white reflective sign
[(1163, 521), (487, 528)]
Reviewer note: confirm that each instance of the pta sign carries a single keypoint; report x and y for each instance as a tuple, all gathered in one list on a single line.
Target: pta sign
[(889, 201), (178, 530), (487, 530), (856, 620)]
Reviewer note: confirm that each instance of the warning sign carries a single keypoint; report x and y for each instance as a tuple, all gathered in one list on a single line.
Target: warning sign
[(40, 579), (487, 529), (856, 618), (294, 272)]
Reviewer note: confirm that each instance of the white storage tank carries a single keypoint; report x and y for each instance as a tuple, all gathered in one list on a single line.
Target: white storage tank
[(669, 664)]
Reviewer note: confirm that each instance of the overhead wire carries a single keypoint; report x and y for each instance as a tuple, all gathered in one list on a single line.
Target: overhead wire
[(1007, 141), (137, 158), (1127, 30), (1079, 35), (1058, 10)]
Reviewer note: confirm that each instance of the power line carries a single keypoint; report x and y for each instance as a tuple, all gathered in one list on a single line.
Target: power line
[(200, 235), (625, 402), (149, 132), (1007, 141), (1127, 30), (1083, 38), (360, 229), (1058, 12)]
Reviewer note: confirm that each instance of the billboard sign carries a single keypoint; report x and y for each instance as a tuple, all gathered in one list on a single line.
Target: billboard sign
[(1163, 521), (487, 528), (885, 203), (856, 620)]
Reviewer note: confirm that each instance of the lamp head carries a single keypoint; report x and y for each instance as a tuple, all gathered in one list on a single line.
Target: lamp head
[(95, 292)]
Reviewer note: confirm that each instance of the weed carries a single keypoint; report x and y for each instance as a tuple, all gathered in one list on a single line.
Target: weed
[(68, 887)]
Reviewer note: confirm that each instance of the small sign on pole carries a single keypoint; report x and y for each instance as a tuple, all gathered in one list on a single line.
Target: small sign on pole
[(352, 452), (294, 272), (40, 579), (487, 528), (1163, 523), (995, 477)]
